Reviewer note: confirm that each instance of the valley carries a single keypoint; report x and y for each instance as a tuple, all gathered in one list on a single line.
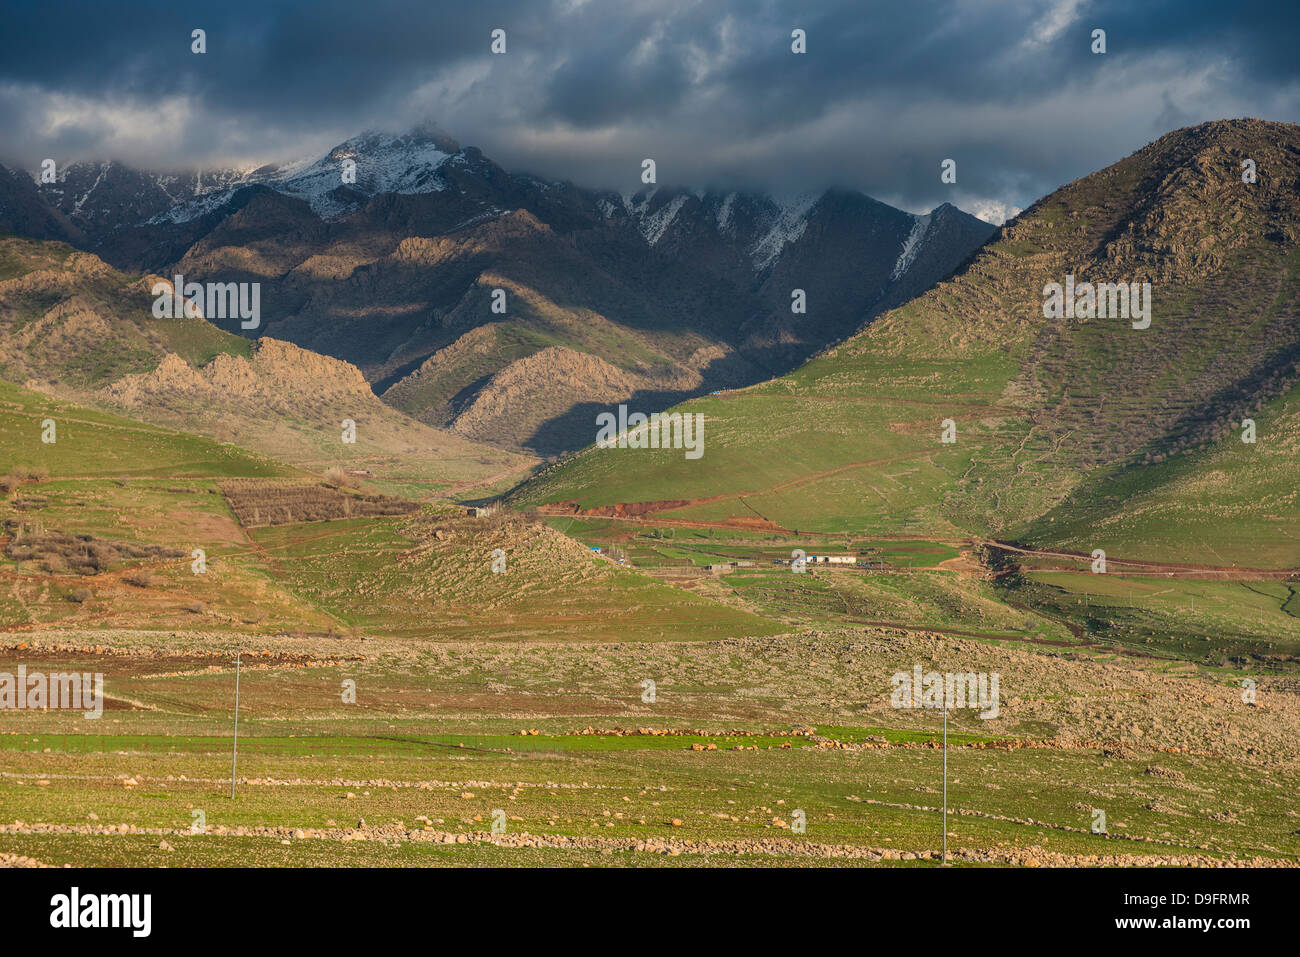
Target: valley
[(473, 629)]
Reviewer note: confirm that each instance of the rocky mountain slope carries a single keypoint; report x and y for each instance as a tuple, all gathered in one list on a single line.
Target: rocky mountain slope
[(24, 211), (76, 328)]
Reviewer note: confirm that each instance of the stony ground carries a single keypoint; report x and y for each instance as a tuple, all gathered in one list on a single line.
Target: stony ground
[(740, 733)]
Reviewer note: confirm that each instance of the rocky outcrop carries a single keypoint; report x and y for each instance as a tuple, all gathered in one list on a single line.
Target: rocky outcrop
[(279, 375)]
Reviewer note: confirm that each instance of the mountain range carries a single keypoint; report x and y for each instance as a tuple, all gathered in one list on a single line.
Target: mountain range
[(645, 298), (1067, 433)]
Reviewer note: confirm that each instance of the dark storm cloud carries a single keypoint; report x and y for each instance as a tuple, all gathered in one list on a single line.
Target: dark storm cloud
[(709, 89)]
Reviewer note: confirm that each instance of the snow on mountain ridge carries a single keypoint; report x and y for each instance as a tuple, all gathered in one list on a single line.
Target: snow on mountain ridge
[(911, 245), (384, 164), (98, 190), (724, 213), (788, 226), (654, 225)]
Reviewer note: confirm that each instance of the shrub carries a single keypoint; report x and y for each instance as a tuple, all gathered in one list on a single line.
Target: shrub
[(336, 476)]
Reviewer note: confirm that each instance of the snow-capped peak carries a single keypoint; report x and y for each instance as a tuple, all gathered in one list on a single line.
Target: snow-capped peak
[(385, 163)]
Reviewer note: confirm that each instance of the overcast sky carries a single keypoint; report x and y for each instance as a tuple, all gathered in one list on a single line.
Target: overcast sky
[(709, 89)]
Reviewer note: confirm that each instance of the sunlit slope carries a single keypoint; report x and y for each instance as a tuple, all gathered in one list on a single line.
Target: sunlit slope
[(1226, 503), (87, 443), (798, 460), (98, 526), (1044, 409)]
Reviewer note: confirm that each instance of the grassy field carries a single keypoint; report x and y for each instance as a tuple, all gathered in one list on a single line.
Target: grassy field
[(1210, 621), (89, 443), (524, 695), (432, 576), (953, 587), (557, 739)]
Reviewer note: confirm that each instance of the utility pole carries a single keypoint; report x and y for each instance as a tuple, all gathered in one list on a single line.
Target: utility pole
[(945, 782), (234, 754)]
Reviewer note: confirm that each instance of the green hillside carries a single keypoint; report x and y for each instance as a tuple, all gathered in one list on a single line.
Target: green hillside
[(89, 444), (1063, 425), (97, 528), (1223, 503)]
